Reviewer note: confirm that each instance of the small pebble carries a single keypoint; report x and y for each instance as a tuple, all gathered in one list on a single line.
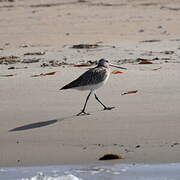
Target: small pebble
[(141, 30), (138, 146)]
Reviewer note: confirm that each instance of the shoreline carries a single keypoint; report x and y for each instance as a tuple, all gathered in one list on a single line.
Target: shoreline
[(95, 171)]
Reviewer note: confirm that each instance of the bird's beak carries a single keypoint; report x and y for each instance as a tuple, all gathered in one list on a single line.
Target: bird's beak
[(113, 65)]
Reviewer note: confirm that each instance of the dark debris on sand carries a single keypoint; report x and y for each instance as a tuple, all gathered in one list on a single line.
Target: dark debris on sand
[(9, 59), (110, 157), (85, 46)]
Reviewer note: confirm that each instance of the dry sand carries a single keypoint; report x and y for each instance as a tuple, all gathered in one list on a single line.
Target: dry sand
[(144, 127)]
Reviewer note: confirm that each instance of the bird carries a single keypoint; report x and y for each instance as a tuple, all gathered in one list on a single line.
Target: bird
[(91, 80)]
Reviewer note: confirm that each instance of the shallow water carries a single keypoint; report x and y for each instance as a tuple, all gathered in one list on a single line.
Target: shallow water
[(94, 172)]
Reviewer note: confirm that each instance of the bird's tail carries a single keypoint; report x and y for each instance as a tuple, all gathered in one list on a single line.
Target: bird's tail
[(68, 86), (64, 87)]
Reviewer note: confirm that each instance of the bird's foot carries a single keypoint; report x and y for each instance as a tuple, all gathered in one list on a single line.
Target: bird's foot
[(82, 113), (108, 108)]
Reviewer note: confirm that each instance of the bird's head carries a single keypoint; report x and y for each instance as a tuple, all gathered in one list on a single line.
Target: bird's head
[(103, 62)]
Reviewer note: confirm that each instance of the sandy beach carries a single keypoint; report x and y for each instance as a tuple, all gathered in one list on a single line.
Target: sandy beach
[(38, 122)]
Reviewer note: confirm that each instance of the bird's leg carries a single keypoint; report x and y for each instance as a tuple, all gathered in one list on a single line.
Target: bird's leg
[(105, 107), (83, 110)]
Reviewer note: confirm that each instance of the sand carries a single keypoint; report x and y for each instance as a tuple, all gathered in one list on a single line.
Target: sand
[(144, 126)]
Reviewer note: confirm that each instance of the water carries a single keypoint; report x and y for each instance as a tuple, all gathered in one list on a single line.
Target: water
[(94, 172)]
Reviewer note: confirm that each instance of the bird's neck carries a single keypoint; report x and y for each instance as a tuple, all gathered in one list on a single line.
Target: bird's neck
[(102, 66)]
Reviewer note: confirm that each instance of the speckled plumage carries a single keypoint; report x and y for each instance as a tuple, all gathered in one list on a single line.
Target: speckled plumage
[(93, 76)]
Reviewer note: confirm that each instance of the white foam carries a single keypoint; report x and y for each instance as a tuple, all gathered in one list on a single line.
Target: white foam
[(3, 170), (41, 176)]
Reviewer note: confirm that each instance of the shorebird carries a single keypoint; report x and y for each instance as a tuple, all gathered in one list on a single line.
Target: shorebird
[(91, 80)]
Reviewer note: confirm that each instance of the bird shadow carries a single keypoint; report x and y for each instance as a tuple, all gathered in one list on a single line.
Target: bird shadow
[(40, 124), (45, 123)]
